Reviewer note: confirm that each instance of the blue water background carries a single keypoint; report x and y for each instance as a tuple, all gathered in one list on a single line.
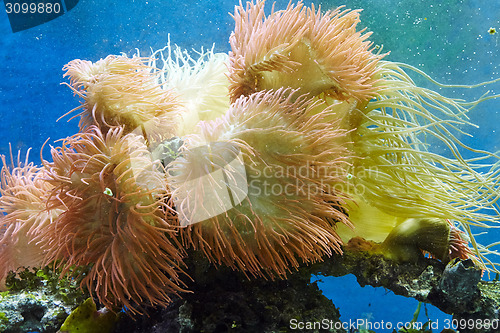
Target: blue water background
[(448, 39)]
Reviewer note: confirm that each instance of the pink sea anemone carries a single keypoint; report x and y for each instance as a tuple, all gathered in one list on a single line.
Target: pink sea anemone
[(22, 202), (261, 187), (116, 218), (122, 91), (318, 53)]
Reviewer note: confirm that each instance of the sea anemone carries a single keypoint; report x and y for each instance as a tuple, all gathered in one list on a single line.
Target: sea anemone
[(121, 91), (199, 81), (401, 179), (257, 187), (395, 178), (317, 53), (440, 238), (117, 218), (22, 204)]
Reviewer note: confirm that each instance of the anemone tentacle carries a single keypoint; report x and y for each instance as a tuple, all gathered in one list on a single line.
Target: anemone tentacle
[(117, 217), (403, 177), (281, 148), (23, 212), (313, 52), (121, 91), (199, 82)]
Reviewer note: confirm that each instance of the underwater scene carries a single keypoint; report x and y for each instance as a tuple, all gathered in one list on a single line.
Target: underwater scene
[(260, 166)]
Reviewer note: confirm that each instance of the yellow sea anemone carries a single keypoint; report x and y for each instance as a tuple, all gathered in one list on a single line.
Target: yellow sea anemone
[(22, 203), (121, 91), (399, 175), (257, 186), (317, 53), (116, 218), (440, 238)]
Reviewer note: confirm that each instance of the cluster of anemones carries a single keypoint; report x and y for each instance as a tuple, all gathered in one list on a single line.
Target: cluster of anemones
[(103, 201), (310, 139)]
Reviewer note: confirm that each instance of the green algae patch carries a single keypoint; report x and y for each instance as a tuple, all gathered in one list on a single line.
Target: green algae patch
[(3, 321), (38, 300)]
